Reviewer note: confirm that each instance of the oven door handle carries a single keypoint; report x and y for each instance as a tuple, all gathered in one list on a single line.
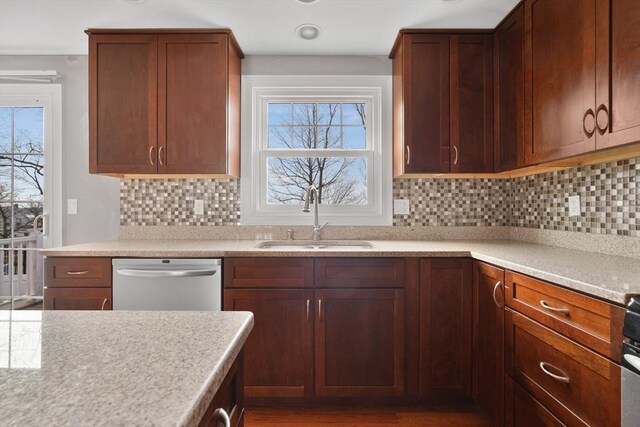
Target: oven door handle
[(134, 272)]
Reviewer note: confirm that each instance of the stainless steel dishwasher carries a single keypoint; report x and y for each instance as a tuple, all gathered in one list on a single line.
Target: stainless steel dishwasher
[(167, 284)]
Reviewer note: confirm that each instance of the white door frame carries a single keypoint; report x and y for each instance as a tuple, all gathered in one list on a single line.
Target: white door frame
[(49, 96)]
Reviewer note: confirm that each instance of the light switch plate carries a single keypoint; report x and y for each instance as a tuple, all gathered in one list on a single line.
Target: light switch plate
[(198, 207), (72, 206), (401, 206), (574, 206)]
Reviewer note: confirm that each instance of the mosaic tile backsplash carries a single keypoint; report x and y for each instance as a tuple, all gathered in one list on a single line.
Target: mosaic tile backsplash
[(609, 194)]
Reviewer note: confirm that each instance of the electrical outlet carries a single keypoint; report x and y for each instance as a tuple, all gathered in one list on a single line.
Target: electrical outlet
[(72, 206), (401, 206), (198, 207), (574, 206)]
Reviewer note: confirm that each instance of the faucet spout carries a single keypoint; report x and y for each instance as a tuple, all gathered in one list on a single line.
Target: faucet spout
[(312, 195)]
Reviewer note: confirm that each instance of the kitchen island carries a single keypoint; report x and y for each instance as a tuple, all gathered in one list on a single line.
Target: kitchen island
[(116, 368)]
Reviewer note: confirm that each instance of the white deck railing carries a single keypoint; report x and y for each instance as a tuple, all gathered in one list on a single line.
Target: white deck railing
[(23, 253)]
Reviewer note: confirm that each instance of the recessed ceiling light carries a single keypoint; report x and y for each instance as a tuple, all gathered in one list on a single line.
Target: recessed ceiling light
[(308, 31), (307, 1)]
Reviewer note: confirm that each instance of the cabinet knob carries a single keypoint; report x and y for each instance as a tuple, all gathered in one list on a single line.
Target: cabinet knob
[(602, 128), (592, 123), (221, 414)]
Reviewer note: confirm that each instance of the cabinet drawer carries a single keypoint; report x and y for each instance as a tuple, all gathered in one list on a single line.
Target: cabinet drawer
[(593, 323), (77, 299), (359, 273), (268, 272), (77, 272), (522, 410), (579, 386)]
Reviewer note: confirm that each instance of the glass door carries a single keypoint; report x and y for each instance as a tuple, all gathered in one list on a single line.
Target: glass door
[(25, 131)]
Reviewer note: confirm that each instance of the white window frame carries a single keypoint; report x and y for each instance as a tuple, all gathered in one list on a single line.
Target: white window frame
[(259, 91), (49, 96)]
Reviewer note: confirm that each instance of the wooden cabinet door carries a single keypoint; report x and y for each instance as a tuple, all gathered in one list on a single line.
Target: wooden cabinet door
[(618, 87), (488, 340), (192, 103), (426, 103), (77, 299), (122, 103), (360, 342), (522, 410), (559, 78), (508, 71), (471, 103), (279, 350), (445, 328)]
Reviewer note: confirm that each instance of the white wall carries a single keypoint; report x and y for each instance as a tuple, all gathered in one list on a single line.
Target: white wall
[(316, 65), (98, 197)]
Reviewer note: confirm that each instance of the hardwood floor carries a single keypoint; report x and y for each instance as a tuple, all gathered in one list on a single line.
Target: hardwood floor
[(361, 417)]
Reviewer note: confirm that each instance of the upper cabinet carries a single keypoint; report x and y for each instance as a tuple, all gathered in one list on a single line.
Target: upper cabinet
[(508, 68), (442, 103), (582, 64), (618, 72), (164, 102), (560, 72)]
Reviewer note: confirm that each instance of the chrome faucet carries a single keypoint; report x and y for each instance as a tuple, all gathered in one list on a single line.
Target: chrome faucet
[(312, 191)]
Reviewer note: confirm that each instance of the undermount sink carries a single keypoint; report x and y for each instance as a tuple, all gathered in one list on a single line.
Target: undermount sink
[(314, 244)]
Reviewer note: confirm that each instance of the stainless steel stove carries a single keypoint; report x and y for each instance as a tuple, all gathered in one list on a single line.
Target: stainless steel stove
[(631, 365)]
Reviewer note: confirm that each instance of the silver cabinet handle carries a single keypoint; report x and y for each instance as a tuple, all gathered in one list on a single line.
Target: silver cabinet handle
[(160, 155), (564, 378), (77, 273), (308, 302), (104, 303), (320, 310), (455, 155), (546, 305), (408, 154), (131, 272), (495, 288), (222, 415), (150, 155)]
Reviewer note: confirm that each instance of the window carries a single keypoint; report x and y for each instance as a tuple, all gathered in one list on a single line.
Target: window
[(315, 132)]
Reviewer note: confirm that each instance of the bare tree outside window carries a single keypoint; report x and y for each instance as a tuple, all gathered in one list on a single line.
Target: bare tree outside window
[(315, 127), (21, 167)]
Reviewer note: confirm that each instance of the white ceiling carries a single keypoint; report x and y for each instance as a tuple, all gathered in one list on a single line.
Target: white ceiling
[(349, 27)]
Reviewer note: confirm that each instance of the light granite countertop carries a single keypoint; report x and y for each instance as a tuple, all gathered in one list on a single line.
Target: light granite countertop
[(609, 277), (82, 368)]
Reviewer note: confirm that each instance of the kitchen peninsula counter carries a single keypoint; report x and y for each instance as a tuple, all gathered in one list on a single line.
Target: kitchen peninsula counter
[(115, 367)]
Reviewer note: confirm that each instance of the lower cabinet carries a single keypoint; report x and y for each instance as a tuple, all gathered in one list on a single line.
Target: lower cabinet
[(77, 283), (228, 401), (360, 342), (576, 384), (77, 299), (280, 347), (488, 339), (522, 410), (445, 328)]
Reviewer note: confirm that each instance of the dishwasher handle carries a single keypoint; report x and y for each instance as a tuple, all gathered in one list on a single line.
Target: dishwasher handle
[(134, 272)]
